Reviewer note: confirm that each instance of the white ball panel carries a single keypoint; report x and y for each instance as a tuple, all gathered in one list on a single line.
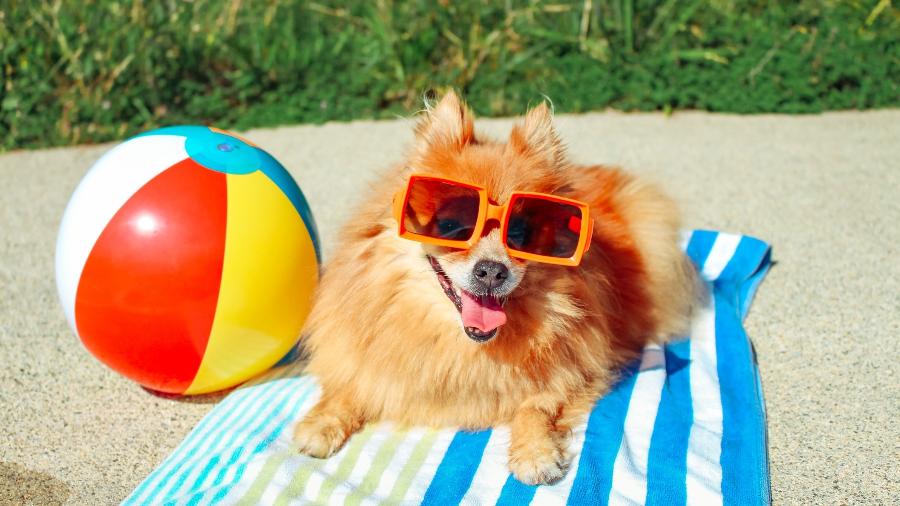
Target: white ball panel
[(113, 179)]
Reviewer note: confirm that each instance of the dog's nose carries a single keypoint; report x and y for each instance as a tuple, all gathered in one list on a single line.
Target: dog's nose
[(490, 274)]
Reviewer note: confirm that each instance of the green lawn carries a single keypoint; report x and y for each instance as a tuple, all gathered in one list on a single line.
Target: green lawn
[(87, 71)]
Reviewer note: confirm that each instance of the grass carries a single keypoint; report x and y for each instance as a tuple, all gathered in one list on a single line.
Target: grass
[(97, 70)]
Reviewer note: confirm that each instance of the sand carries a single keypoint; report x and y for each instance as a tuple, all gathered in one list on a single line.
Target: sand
[(824, 190)]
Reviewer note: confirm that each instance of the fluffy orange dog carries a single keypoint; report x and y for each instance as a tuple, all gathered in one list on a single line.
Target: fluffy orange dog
[(423, 334)]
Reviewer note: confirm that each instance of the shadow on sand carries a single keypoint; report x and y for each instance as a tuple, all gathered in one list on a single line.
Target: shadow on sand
[(20, 485)]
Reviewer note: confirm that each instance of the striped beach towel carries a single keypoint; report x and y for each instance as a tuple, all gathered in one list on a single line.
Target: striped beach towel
[(684, 426)]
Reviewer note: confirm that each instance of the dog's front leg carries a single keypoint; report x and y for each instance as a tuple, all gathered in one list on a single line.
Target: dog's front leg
[(328, 425), (537, 451)]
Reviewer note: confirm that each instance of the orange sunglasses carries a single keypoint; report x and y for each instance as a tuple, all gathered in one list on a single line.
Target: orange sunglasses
[(533, 226)]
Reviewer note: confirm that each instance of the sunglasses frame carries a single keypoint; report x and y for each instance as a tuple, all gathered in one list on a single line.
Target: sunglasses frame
[(500, 213)]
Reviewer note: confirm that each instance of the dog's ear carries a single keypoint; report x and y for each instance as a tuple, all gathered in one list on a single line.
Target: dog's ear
[(536, 136), (447, 125)]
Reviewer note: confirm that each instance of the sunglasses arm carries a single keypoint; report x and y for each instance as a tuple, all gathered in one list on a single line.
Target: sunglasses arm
[(590, 236)]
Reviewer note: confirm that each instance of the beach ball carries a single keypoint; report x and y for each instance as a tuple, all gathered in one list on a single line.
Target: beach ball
[(186, 260)]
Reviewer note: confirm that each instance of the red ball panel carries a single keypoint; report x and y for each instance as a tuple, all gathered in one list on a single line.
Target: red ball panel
[(149, 289)]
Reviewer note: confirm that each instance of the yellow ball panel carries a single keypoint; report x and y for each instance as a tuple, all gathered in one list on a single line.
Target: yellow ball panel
[(268, 277)]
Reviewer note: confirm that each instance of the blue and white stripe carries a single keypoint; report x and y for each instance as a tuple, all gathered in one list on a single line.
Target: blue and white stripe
[(684, 426)]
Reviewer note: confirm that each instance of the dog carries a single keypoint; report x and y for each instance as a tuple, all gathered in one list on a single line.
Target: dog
[(421, 333)]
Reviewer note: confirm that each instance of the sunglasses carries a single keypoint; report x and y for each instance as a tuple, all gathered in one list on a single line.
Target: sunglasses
[(533, 226)]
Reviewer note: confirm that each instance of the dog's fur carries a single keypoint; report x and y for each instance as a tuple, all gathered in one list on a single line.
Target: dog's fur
[(386, 343)]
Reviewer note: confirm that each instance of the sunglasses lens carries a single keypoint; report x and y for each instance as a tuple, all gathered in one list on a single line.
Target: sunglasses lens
[(441, 210), (543, 227)]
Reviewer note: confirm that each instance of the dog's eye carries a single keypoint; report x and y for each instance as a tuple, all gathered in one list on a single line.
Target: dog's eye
[(516, 232), (455, 218), (450, 229)]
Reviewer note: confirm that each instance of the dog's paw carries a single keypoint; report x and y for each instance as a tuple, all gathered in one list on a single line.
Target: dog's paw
[(320, 437), (538, 462)]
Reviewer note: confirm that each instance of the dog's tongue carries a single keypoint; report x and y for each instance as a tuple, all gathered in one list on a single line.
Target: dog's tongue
[(483, 313)]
